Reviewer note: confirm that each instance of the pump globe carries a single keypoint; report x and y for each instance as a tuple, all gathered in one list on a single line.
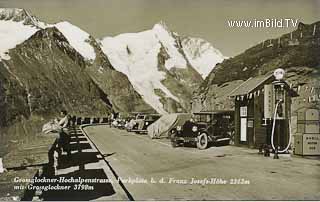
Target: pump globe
[(278, 74)]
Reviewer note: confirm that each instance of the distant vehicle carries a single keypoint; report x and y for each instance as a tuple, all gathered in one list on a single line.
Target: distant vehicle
[(118, 123), (121, 123), (141, 122), (205, 127)]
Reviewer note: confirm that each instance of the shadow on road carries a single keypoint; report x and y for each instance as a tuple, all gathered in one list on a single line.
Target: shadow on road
[(67, 172), (89, 191), (79, 147), (77, 159), (78, 139)]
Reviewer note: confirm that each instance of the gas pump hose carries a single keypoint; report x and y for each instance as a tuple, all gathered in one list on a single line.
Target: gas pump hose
[(273, 126)]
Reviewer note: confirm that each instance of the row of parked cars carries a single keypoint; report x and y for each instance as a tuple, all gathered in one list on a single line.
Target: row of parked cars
[(202, 129), (137, 124)]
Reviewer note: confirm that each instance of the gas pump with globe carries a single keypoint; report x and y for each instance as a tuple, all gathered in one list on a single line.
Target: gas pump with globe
[(277, 104)]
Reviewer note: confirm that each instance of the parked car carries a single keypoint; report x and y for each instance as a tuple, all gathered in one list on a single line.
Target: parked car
[(118, 123), (142, 121), (203, 128)]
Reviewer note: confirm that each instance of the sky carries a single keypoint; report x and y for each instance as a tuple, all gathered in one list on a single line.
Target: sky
[(207, 19)]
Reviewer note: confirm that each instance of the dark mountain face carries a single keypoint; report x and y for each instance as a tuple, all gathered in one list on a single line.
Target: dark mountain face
[(44, 75), (13, 97), (53, 75), (297, 52)]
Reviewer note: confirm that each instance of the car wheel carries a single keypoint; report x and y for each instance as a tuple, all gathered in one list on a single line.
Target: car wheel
[(174, 142), (227, 142), (231, 142), (202, 142)]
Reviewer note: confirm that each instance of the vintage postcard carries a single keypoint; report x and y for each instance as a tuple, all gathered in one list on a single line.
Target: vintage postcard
[(162, 100)]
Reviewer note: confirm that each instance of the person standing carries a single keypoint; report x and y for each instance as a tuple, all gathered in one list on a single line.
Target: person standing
[(64, 137)]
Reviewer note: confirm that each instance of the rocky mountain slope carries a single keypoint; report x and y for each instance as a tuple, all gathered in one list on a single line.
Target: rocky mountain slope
[(163, 67), (42, 77), (297, 52), (115, 84), (44, 69)]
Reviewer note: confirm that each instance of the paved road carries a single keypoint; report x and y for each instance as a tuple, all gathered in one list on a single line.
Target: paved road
[(137, 157)]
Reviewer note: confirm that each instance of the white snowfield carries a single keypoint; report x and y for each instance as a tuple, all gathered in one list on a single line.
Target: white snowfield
[(201, 55), (136, 55), (176, 59), (13, 33), (78, 39)]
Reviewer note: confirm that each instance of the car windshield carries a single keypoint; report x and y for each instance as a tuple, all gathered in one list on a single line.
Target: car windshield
[(203, 118), (140, 117), (151, 118)]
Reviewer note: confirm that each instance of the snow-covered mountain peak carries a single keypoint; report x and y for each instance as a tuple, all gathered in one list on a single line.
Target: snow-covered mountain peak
[(201, 54), (21, 15), (161, 25), (168, 41), (143, 55), (78, 39), (16, 26), (13, 13)]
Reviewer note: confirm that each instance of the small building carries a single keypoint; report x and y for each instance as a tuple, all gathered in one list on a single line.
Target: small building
[(254, 112)]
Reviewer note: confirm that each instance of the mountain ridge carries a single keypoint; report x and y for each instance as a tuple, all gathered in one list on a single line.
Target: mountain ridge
[(43, 73), (179, 62), (141, 57), (296, 52), (43, 76)]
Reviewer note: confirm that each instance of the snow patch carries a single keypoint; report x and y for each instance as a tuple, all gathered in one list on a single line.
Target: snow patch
[(201, 55), (13, 33), (135, 54), (176, 59), (78, 39), (100, 70)]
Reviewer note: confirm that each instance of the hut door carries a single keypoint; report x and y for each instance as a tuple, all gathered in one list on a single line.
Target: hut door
[(243, 124), (243, 130)]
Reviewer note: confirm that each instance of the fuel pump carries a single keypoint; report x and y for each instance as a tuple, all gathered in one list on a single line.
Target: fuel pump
[(277, 112)]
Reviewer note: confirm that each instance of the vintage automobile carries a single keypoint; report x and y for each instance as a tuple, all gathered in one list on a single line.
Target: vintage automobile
[(205, 128), (141, 122), (118, 123)]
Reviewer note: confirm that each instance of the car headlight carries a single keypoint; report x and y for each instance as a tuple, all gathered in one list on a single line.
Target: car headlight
[(147, 123), (194, 128), (179, 128)]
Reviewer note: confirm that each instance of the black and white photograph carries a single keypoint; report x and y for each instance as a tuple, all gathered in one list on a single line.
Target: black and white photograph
[(159, 100)]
